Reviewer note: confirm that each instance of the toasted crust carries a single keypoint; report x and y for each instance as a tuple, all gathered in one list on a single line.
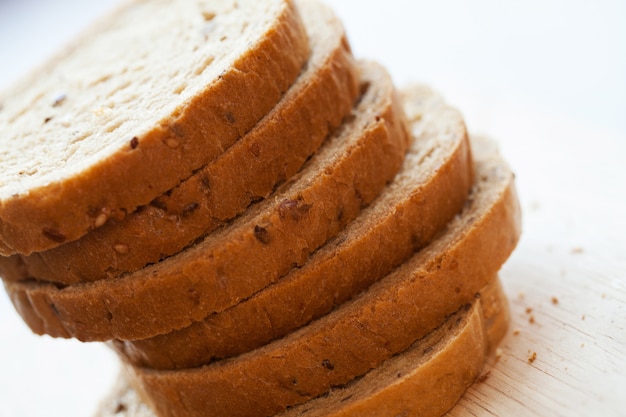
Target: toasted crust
[(130, 160), (364, 332), (431, 187), (257, 249), (453, 354), (271, 152)]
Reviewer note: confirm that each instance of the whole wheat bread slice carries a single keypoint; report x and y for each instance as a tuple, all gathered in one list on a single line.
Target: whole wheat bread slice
[(131, 109), (429, 377), (453, 355), (427, 192), (271, 152), (252, 252), (362, 333)]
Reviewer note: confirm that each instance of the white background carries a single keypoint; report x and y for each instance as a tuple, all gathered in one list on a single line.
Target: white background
[(546, 78)]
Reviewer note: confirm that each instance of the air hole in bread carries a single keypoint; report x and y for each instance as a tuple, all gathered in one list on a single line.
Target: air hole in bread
[(112, 127), (59, 99), (121, 87), (100, 80), (207, 63), (178, 90), (208, 29)]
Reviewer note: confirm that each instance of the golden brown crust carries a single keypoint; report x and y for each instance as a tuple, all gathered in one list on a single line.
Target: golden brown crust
[(59, 212), (496, 313), (428, 191), (453, 355), (257, 249), (271, 152), (362, 333)]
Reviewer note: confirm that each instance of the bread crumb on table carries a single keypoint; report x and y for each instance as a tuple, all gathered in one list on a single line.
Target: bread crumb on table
[(555, 300), (532, 357), (531, 319), (516, 332)]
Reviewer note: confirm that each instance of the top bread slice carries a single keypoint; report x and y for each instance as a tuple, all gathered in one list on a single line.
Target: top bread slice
[(255, 250), (429, 190), (453, 355), (152, 93), (274, 150), (365, 331)]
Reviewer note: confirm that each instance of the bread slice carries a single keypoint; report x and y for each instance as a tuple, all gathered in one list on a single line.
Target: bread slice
[(429, 377), (365, 331), (271, 152), (453, 355), (258, 248), (429, 190), (131, 109)]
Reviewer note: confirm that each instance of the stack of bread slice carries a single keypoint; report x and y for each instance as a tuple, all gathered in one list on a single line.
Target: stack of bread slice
[(255, 221)]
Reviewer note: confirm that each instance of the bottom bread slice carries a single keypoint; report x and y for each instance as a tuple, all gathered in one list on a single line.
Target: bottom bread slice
[(426, 380), (365, 331)]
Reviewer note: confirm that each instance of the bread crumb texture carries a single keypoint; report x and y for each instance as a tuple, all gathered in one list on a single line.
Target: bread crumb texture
[(130, 109), (86, 127)]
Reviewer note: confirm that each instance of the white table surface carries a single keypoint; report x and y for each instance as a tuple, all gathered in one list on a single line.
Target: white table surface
[(547, 79)]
